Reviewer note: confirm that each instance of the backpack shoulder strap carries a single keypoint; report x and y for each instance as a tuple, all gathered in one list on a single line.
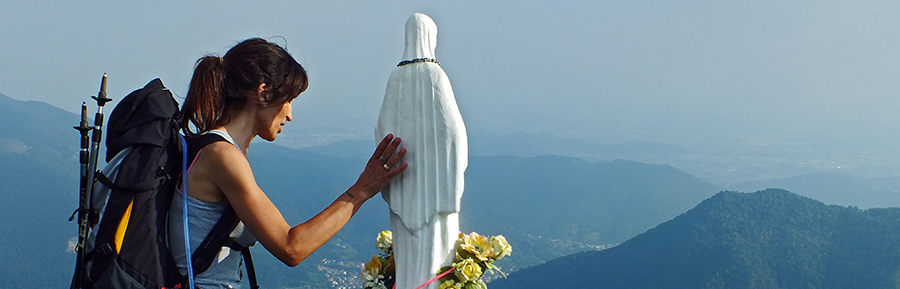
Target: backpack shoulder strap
[(219, 235), (209, 248), (196, 143), (251, 271)]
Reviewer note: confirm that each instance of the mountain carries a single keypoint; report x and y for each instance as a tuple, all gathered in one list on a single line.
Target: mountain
[(835, 188), (552, 200), (547, 206), (39, 169), (767, 239)]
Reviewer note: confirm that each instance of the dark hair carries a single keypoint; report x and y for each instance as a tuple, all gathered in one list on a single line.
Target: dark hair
[(222, 85)]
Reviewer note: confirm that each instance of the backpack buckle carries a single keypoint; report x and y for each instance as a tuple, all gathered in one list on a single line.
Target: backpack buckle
[(105, 250), (201, 265)]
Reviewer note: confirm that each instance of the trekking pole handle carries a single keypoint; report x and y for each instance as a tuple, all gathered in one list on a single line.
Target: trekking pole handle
[(101, 96)]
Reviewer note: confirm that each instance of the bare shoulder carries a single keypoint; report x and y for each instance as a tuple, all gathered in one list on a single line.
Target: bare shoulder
[(226, 168), (222, 162), (222, 151)]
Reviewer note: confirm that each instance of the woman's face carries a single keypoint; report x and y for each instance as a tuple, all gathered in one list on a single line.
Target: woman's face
[(272, 118)]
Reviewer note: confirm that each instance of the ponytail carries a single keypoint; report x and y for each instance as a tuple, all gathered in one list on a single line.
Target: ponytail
[(203, 106)]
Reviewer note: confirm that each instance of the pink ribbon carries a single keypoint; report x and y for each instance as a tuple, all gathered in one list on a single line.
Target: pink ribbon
[(432, 279)]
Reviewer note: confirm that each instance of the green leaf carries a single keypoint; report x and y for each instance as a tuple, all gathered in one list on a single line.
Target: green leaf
[(473, 285)]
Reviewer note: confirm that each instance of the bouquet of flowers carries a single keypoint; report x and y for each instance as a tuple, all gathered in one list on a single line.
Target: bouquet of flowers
[(474, 254), (379, 272)]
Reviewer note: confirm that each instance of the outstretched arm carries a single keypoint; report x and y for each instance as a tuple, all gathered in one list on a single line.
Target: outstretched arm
[(233, 176)]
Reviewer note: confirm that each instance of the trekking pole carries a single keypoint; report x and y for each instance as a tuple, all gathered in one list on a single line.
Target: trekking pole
[(86, 214), (96, 136), (83, 128), (97, 133)]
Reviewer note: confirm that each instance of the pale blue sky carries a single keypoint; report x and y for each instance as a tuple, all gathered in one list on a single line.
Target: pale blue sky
[(822, 73)]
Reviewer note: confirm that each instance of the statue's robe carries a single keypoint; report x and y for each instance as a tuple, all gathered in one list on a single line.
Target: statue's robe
[(420, 108)]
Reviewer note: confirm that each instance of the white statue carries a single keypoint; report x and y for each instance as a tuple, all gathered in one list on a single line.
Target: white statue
[(420, 108)]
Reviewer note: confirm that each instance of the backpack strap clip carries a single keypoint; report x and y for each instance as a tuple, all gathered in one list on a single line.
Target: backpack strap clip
[(105, 250)]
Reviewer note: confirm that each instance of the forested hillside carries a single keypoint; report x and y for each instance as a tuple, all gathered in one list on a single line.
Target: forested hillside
[(39, 187), (767, 239)]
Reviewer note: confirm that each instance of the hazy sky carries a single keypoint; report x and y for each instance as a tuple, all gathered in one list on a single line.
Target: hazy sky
[(610, 71)]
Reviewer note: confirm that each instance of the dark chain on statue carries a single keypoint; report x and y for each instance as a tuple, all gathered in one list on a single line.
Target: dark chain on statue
[(417, 60)]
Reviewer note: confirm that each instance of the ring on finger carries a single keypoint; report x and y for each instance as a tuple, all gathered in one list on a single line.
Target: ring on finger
[(382, 158), (387, 167)]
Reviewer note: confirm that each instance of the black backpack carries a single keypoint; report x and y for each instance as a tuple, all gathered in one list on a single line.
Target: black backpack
[(128, 244)]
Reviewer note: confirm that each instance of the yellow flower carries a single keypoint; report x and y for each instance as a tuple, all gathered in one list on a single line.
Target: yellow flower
[(467, 270), (385, 242), (460, 245), (501, 247), (480, 246)]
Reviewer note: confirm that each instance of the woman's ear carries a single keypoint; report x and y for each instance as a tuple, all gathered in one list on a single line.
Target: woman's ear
[(261, 93)]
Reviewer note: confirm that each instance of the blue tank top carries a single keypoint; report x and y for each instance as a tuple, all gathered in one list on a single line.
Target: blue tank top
[(225, 270)]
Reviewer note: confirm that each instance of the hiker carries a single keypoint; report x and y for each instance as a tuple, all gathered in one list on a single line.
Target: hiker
[(235, 98)]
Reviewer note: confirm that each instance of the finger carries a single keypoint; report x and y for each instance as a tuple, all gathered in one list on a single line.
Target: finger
[(395, 171), (395, 165), (390, 149), (383, 145), (396, 158)]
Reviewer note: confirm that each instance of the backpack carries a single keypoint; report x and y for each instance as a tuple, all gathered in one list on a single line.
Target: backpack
[(128, 243)]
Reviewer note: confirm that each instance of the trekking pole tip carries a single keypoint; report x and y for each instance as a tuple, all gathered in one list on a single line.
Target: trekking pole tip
[(83, 125), (101, 96)]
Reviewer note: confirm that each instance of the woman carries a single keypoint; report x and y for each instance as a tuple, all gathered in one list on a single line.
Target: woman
[(248, 93)]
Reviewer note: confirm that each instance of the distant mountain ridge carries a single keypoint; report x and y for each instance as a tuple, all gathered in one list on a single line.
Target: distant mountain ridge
[(38, 128), (547, 206), (569, 198), (835, 188), (767, 239), (38, 165)]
